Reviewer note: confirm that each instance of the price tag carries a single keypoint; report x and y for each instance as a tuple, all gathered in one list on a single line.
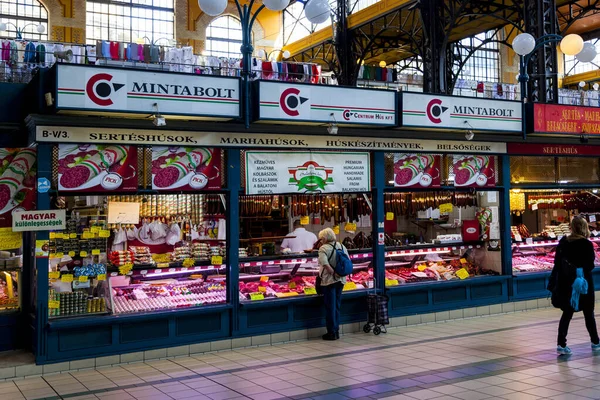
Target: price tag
[(592, 218), (422, 267), (462, 273), (463, 260), (595, 232), (96, 252), (83, 254), (336, 229), (73, 235), (551, 235), (257, 296), (264, 279), (66, 278), (534, 207), (292, 285), (87, 235), (54, 304), (125, 269), (52, 235), (71, 254), (419, 274), (104, 233), (389, 216), (83, 278), (350, 227), (529, 240), (95, 229), (518, 238), (101, 277), (271, 263), (54, 275), (350, 286), (262, 289), (305, 220), (172, 269), (446, 208), (391, 282), (58, 235), (310, 290), (216, 260)]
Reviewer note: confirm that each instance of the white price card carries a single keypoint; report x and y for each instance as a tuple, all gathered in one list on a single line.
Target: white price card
[(534, 207), (518, 238), (592, 218), (551, 235), (529, 241)]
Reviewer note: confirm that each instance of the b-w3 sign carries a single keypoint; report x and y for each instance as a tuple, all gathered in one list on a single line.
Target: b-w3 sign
[(326, 104)]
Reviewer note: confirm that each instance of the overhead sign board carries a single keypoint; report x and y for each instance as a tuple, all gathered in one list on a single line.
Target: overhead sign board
[(554, 118), (134, 91), (460, 113), (68, 134), (553, 149), (304, 103)]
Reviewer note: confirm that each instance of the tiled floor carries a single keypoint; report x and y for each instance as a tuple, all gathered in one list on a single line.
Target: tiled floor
[(507, 356)]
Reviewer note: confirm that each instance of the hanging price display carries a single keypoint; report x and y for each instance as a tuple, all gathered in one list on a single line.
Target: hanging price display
[(446, 208), (305, 220), (54, 275), (389, 216)]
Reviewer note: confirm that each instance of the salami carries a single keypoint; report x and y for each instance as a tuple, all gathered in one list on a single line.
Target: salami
[(82, 169), (171, 170), (12, 178)]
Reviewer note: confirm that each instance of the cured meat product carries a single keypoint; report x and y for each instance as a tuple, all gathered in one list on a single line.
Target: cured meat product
[(171, 170), (88, 166), (15, 174)]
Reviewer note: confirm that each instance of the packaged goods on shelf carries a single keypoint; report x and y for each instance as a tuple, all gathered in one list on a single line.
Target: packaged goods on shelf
[(121, 257)]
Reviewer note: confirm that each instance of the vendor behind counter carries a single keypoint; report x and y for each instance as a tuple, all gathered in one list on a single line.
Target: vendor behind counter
[(303, 239)]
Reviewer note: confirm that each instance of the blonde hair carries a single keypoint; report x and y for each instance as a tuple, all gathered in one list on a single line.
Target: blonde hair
[(579, 226), (328, 235)]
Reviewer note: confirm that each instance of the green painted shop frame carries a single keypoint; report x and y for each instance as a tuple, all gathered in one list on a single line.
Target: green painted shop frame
[(87, 337)]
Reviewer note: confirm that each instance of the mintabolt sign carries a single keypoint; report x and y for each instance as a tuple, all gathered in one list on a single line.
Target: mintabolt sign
[(280, 101), (464, 113), (553, 118), (44, 220), (117, 90), (68, 134), (269, 172)]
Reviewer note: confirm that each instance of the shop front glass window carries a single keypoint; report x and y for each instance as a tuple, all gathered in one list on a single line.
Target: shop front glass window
[(25, 14), (130, 21)]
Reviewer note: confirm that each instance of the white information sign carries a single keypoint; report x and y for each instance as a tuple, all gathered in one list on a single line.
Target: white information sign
[(123, 213), (44, 220), (307, 172)]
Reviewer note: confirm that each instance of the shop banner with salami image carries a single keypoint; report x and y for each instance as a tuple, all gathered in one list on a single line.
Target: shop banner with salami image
[(18, 169), (185, 168), (97, 168), (417, 170), (474, 171)]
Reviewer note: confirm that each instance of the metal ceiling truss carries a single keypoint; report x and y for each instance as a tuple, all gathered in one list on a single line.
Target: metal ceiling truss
[(568, 14)]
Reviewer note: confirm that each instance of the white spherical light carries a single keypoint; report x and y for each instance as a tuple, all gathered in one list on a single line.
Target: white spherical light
[(317, 11), (286, 54), (523, 44), (596, 86), (571, 44), (587, 54), (261, 53), (276, 5), (582, 84), (213, 7), (40, 28)]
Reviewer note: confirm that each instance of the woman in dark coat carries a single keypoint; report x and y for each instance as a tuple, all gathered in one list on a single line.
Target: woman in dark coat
[(578, 252)]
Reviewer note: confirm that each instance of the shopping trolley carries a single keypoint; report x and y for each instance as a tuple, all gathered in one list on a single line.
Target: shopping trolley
[(377, 313)]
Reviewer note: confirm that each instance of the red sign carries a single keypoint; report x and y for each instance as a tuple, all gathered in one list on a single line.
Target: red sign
[(181, 168), (417, 170), (551, 118), (97, 168), (474, 171), (18, 168), (553, 149)]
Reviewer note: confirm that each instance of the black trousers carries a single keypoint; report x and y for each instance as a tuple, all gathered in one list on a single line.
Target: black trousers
[(590, 324)]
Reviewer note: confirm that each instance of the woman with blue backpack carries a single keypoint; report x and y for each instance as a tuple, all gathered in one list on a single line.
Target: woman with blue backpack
[(334, 266), (571, 282)]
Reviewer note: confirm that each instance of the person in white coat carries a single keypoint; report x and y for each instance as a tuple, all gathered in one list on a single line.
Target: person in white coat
[(303, 239)]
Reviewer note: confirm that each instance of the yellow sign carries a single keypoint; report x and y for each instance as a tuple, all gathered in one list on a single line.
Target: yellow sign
[(87, 235), (463, 260), (350, 286), (54, 275), (462, 273), (389, 216), (83, 254), (262, 289), (422, 267), (71, 254), (10, 240), (310, 290), (95, 229), (104, 233), (73, 235), (83, 278), (336, 229), (216, 260), (101, 277), (305, 220), (59, 235), (391, 282), (125, 269), (52, 235), (96, 252), (41, 248), (257, 296), (53, 304), (446, 208), (264, 279), (350, 227), (59, 255), (66, 278), (288, 294)]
